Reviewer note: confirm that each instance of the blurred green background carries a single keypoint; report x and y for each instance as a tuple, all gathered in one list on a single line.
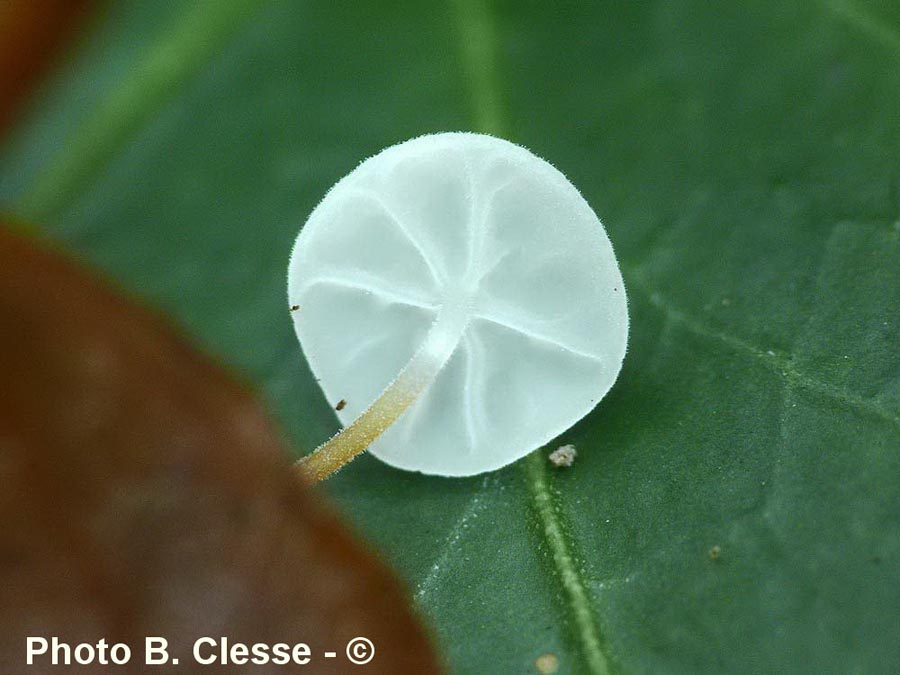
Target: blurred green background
[(745, 160)]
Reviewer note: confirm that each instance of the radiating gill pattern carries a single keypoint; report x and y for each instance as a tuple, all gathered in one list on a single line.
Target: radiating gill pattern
[(471, 225)]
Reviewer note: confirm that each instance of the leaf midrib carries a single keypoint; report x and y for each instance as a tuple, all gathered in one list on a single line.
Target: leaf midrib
[(478, 46)]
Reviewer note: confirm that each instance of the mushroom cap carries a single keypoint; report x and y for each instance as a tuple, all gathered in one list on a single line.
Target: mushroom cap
[(483, 226)]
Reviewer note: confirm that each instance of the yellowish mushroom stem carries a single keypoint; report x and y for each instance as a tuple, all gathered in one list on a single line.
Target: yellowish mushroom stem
[(413, 380)]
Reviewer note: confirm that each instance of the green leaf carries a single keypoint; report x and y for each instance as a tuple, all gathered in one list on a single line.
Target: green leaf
[(734, 503)]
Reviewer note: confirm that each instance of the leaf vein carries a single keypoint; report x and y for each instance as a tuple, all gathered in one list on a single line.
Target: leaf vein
[(426, 585), (189, 43), (872, 26), (775, 361), (577, 600)]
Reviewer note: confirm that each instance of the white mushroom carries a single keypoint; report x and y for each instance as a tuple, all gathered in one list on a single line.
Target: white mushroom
[(463, 299)]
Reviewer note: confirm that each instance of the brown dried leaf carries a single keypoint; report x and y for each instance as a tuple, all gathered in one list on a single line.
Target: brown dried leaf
[(31, 34), (145, 493)]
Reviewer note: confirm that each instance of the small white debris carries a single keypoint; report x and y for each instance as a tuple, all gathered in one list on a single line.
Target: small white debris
[(547, 664), (564, 455)]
